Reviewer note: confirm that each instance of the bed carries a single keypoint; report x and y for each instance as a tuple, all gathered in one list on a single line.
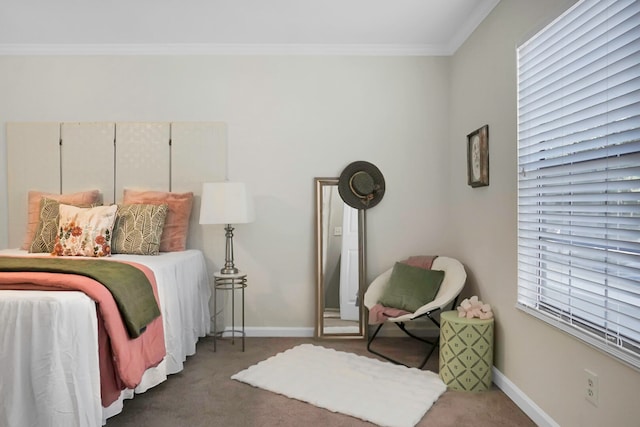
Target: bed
[(58, 330), (50, 344)]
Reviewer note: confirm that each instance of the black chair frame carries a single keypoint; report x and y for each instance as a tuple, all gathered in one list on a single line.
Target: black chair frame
[(432, 343)]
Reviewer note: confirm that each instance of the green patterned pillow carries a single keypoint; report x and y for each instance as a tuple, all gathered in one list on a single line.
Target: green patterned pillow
[(47, 228), (411, 287), (138, 229)]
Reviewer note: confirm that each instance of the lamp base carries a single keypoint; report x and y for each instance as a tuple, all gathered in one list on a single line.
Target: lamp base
[(232, 270), (229, 268)]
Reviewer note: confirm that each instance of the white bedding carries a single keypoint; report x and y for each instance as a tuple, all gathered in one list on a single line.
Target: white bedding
[(49, 372)]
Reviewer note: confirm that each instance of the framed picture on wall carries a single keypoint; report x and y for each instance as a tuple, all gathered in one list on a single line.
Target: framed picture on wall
[(478, 157)]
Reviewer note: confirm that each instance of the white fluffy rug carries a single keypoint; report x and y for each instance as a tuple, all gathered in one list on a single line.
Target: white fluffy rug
[(379, 392)]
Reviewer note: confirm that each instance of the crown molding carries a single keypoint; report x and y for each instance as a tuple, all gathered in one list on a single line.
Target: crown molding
[(470, 25), (23, 49)]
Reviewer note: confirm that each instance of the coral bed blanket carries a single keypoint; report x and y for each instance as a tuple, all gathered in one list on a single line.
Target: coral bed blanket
[(123, 360)]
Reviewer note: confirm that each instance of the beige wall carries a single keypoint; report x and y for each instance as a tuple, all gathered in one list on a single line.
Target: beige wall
[(547, 365), (290, 119)]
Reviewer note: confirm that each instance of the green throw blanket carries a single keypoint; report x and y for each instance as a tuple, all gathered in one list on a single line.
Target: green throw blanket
[(129, 285)]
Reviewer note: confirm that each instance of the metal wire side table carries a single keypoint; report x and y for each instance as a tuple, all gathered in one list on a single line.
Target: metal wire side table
[(229, 282)]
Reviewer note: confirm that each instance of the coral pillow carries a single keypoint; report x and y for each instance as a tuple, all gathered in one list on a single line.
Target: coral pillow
[(176, 226), (85, 231), (33, 208)]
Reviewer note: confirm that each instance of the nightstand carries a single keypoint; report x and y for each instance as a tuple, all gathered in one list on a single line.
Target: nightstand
[(232, 283), (466, 352)]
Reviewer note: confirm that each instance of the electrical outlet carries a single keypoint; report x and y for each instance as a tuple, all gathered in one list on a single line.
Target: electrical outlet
[(591, 387)]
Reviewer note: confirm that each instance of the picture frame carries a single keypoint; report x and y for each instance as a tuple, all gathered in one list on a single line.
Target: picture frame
[(478, 157)]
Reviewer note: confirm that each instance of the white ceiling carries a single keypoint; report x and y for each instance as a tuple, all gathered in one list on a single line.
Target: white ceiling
[(418, 27)]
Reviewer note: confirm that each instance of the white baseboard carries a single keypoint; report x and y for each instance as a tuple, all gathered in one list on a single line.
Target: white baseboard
[(272, 331), (302, 332), (527, 405)]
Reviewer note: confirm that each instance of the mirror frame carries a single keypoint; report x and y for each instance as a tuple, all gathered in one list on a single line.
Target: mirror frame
[(320, 183)]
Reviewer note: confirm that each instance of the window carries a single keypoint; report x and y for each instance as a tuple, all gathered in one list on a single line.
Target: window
[(579, 175)]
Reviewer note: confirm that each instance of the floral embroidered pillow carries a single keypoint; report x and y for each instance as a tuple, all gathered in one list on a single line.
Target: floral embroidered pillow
[(85, 231)]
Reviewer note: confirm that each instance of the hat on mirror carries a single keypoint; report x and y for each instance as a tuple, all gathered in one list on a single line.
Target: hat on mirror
[(361, 185)]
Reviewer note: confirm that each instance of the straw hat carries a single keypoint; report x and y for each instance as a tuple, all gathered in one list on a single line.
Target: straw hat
[(361, 185)]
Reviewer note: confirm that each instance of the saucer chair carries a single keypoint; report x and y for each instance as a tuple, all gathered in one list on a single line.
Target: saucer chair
[(451, 286)]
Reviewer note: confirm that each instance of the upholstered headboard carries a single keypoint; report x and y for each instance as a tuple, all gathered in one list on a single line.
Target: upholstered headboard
[(71, 157)]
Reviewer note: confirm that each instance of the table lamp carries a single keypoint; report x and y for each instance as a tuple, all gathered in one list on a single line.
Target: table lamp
[(226, 203)]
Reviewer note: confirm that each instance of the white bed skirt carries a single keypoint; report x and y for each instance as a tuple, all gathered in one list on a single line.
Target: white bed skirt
[(49, 370)]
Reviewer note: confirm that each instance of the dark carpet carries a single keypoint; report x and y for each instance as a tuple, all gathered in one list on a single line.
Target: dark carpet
[(204, 395)]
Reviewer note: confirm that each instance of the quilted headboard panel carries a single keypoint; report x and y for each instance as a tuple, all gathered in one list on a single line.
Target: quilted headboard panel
[(70, 157)]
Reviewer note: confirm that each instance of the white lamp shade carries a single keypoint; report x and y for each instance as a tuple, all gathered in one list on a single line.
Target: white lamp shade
[(226, 203)]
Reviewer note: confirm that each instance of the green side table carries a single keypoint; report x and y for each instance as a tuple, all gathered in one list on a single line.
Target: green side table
[(466, 352)]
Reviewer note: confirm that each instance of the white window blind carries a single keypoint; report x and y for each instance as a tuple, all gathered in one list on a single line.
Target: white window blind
[(579, 175)]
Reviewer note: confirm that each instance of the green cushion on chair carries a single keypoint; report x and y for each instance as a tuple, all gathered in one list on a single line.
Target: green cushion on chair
[(411, 287)]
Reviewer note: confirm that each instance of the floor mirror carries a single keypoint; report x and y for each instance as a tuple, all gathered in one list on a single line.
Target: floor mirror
[(340, 264)]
